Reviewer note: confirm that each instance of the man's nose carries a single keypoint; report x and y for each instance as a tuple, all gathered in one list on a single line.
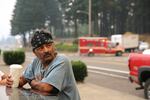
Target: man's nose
[(45, 49)]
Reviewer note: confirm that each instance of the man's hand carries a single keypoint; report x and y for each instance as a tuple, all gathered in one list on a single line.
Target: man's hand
[(22, 81), (3, 82), (9, 82)]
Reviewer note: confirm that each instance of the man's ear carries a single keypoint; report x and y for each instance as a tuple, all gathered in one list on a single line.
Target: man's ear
[(34, 52)]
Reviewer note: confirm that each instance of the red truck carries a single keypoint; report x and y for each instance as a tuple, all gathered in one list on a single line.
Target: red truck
[(139, 67), (98, 45)]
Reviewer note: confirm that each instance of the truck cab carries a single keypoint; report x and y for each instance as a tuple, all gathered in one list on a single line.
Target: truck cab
[(139, 67), (98, 45)]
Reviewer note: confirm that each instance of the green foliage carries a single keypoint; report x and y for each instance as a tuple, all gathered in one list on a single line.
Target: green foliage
[(32, 14), (0, 51), (20, 49), (108, 16), (83, 29), (67, 47), (14, 57), (79, 70), (75, 42)]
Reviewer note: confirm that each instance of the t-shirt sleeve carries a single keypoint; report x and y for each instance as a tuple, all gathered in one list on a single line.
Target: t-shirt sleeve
[(56, 76), (28, 73)]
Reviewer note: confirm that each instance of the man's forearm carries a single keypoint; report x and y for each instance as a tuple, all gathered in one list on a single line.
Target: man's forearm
[(41, 86), (22, 81)]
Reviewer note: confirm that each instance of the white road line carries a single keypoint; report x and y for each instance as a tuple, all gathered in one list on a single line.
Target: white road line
[(98, 68), (107, 69), (107, 74)]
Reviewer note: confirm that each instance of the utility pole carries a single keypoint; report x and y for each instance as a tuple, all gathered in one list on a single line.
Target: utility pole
[(89, 22)]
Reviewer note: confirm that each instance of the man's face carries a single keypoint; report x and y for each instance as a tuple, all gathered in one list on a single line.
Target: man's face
[(46, 52)]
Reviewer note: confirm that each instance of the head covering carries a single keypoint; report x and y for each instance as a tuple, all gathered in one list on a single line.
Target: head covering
[(40, 38)]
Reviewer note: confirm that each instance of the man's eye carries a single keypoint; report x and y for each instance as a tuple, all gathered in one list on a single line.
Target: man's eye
[(48, 45), (39, 48)]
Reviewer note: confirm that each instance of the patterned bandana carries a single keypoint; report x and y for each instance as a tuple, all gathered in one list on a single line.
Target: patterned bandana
[(40, 38)]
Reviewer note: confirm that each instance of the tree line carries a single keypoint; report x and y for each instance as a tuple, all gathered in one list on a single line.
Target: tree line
[(69, 18)]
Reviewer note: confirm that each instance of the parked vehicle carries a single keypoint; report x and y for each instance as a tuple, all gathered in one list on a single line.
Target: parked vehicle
[(98, 45), (143, 46), (147, 51), (139, 67), (130, 42)]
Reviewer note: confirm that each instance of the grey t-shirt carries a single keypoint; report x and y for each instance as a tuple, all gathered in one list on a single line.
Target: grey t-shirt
[(59, 74)]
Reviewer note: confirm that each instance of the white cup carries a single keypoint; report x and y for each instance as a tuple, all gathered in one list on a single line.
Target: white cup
[(15, 72), (14, 95)]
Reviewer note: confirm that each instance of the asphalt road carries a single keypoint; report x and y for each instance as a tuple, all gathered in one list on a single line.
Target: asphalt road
[(110, 72), (107, 71)]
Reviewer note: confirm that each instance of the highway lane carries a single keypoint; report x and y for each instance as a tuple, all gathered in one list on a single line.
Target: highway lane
[(106, 65), (109, 72), (120, 63), (115, 83)]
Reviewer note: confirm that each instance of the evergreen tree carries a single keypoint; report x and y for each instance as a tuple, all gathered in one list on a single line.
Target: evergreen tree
[(32, 14)]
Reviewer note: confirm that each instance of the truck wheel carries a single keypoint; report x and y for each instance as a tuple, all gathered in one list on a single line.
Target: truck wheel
[(147, 89), (118, 53), (90, 54)]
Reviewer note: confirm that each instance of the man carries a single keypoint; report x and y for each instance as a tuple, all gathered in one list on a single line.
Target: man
[(49, 72)]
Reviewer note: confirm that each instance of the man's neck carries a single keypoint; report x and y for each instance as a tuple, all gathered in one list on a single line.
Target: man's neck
[(45, 64)]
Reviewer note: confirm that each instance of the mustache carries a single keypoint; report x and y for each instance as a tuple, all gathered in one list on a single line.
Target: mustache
[(46, 54)]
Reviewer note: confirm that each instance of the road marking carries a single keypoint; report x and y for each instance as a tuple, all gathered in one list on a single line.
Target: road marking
[(99, 68), (107, 62), (107, 74), (107, 69)]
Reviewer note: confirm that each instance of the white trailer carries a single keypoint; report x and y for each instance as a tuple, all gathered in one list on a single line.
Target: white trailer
[(128, 41)]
